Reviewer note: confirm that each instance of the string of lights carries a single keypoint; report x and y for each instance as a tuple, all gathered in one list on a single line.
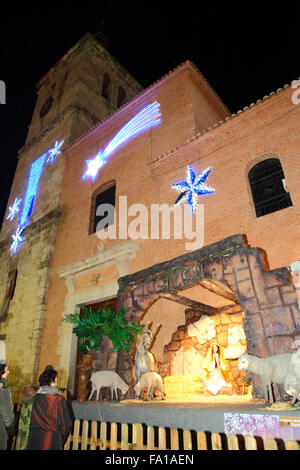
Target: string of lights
[(35, 172)]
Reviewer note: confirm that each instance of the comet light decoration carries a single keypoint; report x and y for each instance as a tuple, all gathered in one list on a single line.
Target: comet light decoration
[(192, 187), (14, 209), (35, 172), (148, 117)]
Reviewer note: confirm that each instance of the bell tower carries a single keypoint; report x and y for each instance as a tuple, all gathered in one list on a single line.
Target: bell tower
[(87, 84), (80, 90)]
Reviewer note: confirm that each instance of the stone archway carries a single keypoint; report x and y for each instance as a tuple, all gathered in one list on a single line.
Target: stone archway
[(268, 298)]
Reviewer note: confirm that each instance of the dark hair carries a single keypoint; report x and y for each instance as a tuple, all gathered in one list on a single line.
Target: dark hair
[(47, 376), (2, 368)]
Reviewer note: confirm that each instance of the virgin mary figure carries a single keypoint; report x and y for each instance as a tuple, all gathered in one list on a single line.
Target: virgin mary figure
[(216, 368)]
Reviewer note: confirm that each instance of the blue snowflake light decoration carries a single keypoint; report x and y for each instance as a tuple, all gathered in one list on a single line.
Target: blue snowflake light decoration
[(14, 209), (148, 117), (192, 187), (54, 152), (17, 239)]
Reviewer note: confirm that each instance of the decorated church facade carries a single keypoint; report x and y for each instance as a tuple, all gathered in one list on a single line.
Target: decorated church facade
[(160, 201)]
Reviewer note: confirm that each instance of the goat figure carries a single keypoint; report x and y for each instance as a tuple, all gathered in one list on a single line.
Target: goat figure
[(271, 369), (144, 360), (107, 378)]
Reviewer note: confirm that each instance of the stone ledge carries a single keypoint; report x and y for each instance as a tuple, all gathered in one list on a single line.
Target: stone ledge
[(218, 250), (69, 109), (103, 257)]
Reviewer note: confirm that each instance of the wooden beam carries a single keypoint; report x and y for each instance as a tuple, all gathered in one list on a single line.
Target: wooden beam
[(195, 305), (189, 303), (219, 289)]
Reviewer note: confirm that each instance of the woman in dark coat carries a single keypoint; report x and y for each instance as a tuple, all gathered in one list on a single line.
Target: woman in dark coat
[(7, 417), (49, 416)]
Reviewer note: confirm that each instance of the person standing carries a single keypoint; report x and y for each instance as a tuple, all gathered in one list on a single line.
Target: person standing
[(7, 416), (45, 419)]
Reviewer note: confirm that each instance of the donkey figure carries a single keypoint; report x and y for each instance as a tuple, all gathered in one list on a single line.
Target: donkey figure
[(144, 360)]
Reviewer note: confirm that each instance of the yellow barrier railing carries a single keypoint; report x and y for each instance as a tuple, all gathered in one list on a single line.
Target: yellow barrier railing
[(93, 435)]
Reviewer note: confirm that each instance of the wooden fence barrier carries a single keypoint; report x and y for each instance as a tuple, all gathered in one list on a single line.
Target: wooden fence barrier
[(93, 435)]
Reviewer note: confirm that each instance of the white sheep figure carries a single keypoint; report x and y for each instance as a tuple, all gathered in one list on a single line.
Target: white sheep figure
[(271, 369), (292, 378), (107, 378), (150, 381)]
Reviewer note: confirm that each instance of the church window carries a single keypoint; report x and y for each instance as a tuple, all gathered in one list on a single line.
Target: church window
[(12, 279), (106, 194), (121, 96), (46, 107), (268, 187), (106, 86)]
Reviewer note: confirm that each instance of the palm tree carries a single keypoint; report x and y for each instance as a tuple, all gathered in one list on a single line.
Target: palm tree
[(92, 326)]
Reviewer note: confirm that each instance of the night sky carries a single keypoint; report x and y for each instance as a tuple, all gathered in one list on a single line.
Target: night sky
[(244, 52)]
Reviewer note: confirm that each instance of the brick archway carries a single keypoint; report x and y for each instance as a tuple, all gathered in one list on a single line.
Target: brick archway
[(268, 298)]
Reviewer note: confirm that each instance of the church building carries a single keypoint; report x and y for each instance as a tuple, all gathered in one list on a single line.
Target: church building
[(157, 200)]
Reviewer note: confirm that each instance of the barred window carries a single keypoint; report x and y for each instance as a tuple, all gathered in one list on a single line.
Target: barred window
[(268, 187), (106, 194)]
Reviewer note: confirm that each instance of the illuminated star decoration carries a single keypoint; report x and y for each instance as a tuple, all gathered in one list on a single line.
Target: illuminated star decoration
[(17, 239), (54, 152), (192, 188), (14, 209), (93, 166), (148, 117)]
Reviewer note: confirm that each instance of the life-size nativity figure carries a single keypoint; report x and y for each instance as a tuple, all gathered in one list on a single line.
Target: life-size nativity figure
[(216, 368), (144, 368), (144, 360)]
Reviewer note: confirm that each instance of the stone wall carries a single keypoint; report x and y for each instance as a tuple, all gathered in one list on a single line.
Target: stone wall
[(23, 322), (187, 350)]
